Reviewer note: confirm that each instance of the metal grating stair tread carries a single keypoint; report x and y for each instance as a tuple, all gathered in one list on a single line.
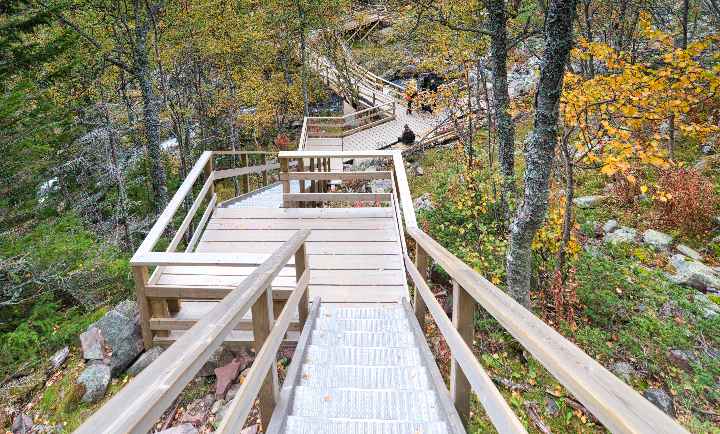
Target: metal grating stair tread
[(365, 377), (387, 404), (362, 371), (363, 356), (307, 425)]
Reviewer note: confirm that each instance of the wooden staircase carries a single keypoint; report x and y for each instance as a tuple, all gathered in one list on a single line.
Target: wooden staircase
[(361, 364)]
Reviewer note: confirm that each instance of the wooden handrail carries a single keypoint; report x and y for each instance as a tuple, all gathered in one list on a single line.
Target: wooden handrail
[(615, 404), (137, 407), (164, 219), (492, 401), (242, 403)]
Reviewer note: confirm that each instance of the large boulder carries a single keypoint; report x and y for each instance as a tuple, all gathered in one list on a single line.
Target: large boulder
[(145, 360), (689, 252), (120, 329), (661, 400), (622, 235), (95, 380), (693, 273), (657, 239), (588, 201)]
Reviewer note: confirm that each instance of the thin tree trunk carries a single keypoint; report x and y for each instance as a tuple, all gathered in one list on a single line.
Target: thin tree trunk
[(685, 14), (569, 165), (151, 110), (541, 149), (505, 130), (303, 67)]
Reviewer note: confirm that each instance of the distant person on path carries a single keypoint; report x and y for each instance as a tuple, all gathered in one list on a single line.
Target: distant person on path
[(408, 137), (410, 95)]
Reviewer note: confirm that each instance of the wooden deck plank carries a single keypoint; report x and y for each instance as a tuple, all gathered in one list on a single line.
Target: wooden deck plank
[(318, 277), (313, 248), (314, 224), (303, 213), (348, 235)]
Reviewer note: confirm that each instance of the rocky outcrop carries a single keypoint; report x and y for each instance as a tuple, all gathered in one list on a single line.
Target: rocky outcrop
[(588, 201), (689, 252), (693, 273), (121, 331), (661, 400), (95, 380), (657, 239), (622, 235), (145, 360)]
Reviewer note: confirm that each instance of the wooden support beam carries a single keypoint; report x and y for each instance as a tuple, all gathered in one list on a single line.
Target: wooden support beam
[(338, 197), (245, 179), (301, 268), (422, 262), (263, 319), (140, 273), (285, 183), (263, 159), (462, 319)]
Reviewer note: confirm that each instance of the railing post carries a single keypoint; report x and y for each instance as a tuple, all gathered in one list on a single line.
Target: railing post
[(301, 168), (208, 170), (263, 318), (462, 318), (301, 267), (140, 274), (285, 180), (265, 170), (245, 179), (422, 262)]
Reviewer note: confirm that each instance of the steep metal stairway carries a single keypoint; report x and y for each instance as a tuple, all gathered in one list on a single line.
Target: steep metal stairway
[(364, 369)]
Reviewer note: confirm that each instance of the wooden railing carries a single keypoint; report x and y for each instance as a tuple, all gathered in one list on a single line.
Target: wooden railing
[(154, 302), (137, 407), (615, 404)]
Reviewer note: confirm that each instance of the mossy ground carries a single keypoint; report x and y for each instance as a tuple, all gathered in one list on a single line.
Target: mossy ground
[(620, 292)]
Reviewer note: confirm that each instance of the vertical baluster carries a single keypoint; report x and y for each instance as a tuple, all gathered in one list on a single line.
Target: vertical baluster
[(285, 181), (300, 268), (140, 273), (422, 262), (462, 318), (265, 170), (263, 318)]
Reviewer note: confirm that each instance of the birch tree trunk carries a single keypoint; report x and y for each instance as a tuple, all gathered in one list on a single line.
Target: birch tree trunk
[(541, 148), (505, 129)]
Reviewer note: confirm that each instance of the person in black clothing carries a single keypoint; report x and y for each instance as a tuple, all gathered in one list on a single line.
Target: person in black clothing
[(408, 137)]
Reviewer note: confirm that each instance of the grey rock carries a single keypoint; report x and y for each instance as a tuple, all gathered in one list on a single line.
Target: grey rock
[(661, 400), (419, 171), (145, 360), (657, 239), (22, 424), (221, 357), (588, 201), (95, 378), (424, 203), (689, 252), (198, 411), (708, 307), (623, 370), (121, 329), (693, 273), (232, 391), (217, 405), (59, 358), (551, 407), (381, 186), (48, 429), (610, 226), (92, 343), (622, 235), (186, 428), (682, 359)]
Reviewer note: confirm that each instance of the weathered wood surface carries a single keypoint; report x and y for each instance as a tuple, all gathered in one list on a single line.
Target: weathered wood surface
[(497, 409), (137, 407)]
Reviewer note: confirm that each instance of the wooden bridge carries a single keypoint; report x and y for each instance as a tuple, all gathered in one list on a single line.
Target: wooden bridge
[(246, 276), (314, 261)]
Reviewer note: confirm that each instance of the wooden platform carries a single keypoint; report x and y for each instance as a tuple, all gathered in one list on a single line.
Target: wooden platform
[(354, 255)]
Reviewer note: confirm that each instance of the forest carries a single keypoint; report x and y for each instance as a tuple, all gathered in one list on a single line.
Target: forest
[(573, 160)]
